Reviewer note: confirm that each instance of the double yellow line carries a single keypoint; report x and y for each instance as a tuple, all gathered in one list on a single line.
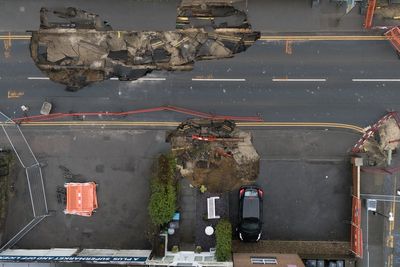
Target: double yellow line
[(15, 37), (324, 38), (270, 37), (324, 125)]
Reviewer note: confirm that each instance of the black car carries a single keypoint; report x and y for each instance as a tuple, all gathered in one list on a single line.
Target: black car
[(250, 213)]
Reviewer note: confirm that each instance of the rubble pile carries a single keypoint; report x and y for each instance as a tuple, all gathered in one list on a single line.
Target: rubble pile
[(215, 154), (383, 10), (386, 139), (389, 135), (77, 48)]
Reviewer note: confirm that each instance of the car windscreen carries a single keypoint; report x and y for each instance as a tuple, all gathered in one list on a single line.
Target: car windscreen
[(251, 207), (249, 225)]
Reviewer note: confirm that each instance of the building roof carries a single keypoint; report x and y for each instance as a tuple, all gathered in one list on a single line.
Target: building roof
[(266, 259)]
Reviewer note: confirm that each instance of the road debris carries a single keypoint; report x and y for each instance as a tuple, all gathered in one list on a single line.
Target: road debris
[(380, 140), (387, 11), (24, 108), (214, 154), (76, 48), (46, 108)]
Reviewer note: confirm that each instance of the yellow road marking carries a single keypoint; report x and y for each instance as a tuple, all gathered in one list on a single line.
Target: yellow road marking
[(7, 46), (288, 47), (174, 124), (15, 37), (14, 94), (273, 37), (325, 38)]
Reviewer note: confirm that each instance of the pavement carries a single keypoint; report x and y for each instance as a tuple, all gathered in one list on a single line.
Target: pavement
[(187, 208), (119, 161), (381, 236)]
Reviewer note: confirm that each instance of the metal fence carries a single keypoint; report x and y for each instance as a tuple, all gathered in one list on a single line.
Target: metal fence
[(33, 173)]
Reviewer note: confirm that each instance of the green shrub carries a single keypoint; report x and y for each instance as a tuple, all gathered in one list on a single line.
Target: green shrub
[(223, 233), (162, 202), (162, 205)]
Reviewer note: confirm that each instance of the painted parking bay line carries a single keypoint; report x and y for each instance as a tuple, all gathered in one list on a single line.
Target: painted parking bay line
[(297, 80), (217, 80), (375, 80)]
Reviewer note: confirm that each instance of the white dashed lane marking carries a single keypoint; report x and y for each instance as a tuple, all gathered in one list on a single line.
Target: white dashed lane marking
[(38, 78), (242, 79), (141, 79), (297, 80), (376, 80), (217, 80)]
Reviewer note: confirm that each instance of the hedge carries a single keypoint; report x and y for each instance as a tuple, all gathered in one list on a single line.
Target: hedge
[(162, 202), (223, 233), (162, 205)]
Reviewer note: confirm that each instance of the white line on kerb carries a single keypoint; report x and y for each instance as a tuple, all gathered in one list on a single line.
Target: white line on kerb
[(375, 80), (38, 78), (217, 80), (297, 80)]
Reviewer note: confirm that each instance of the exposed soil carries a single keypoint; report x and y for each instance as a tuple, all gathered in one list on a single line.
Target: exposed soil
[(214, 154), (387, 138)]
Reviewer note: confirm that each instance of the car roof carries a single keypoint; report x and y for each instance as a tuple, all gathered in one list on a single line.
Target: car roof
[(251, 207)]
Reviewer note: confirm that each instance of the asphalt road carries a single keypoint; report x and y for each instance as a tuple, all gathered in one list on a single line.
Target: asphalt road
[(255, 84), (297, 15)]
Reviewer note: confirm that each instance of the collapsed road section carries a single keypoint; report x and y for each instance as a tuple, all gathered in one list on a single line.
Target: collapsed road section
[(76, 48), (214, 154)]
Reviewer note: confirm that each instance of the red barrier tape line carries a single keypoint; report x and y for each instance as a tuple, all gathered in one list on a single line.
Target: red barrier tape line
[(139, 111)]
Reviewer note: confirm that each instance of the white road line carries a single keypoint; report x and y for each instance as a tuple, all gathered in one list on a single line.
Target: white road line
[(38, 78), (297, 80), (217, 80), (375, 80), (152, 79), (141, 79)]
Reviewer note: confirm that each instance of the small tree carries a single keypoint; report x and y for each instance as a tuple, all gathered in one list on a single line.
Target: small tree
[(223, 233)]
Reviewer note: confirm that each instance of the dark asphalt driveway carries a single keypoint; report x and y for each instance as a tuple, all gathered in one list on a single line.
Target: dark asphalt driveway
[(119, 161), (306, 177)]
